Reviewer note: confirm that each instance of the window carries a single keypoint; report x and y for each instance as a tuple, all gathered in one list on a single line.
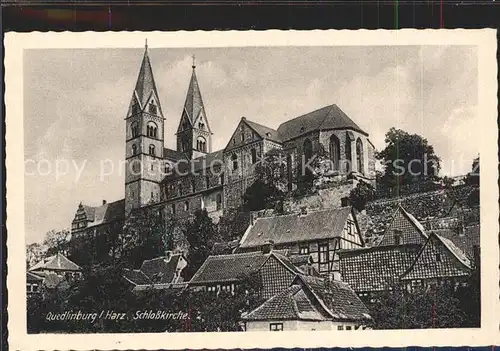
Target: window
[(219, 201), (323, 257), (416, 283), (304, 249), (359, 156), (254, 156), (184, 145), (308, 149), (201, 144), (134, 149), (207, 182), (193, 185), (348, 154), (201, 125), (152, 150), (438, 257), (397, 237), (340, 327), (234, 160), (242, 136), (289, 171), (34, 287), (152, 130), (212, 288), (221, 179), (152, 108), (152, 196), (186, 206), (350, 227), (173, 208), (226, 288), (276, 326), (334, 148), (179, 189), (348, 327), (135, 129)]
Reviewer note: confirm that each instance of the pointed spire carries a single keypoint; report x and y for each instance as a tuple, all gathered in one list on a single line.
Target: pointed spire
[(194, 64), (145, 81), (194, 103)]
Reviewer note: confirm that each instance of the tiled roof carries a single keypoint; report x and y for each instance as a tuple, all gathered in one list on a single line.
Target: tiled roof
[(56, 262), (229, 268), (337, 297), (293, 228), (290, 304), (173, 155), (438, 258), (159, 270), (328, 117), (465, 242), (412, 232), (376, 268), (136, 277), (263, 131), (33, 278)]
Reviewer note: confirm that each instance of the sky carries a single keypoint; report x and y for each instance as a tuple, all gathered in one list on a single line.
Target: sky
[(75, 101)]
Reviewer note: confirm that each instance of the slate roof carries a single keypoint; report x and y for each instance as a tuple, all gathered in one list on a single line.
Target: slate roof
[(337, 297), (193, 104), (328, 117), (312, 298), (109, 212), (453, 262), (155, 271), (57, 262), (197, 164), (290, 304), (33, 278), (173, 155), (145, 82), (263, 131), (233, 267), (376, 268), (465, 242), (294, 228)]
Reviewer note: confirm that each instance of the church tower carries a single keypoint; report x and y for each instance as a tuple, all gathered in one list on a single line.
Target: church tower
[(194, 137), (144, 141)]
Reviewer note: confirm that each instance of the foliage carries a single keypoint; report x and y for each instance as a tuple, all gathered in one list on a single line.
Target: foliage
[(443, 307), (201, 234), (309, 170), (408, 158), (269, 189), (56, 241), (447, 182), (34, 254), (361, 194), (233, 223), (147, 234)]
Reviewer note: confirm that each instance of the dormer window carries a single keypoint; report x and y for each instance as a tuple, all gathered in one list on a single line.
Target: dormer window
[(152, 108)]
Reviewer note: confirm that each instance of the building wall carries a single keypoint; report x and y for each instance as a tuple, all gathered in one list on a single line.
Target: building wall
[(301, 325)]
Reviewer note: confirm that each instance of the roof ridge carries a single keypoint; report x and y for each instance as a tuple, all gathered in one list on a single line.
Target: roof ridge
[(308, 213), (304, 114)]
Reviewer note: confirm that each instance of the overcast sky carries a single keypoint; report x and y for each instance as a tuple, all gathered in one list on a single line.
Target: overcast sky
[(75, 102)]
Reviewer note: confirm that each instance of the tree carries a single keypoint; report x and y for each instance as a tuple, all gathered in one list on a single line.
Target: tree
[(361, 194), (147, 234), (57, 241), (34, 254), (201, 234), (407, 158), (269, 189)]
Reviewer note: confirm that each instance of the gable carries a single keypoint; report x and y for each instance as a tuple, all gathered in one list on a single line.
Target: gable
[(242, 135), (406, 227), (437, 260), (275, 276), (351, 231), (202, 118), (184, 123)]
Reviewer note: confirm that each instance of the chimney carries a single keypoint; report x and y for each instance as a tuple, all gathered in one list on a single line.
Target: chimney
[(168, 255), (268, 246), (104, 202)]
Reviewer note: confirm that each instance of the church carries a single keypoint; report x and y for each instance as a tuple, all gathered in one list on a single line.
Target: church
[(194, 176)]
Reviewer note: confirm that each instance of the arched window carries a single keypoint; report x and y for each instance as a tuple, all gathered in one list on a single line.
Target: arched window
[(289, 169), (201, 144), (152, 150), (348, 155), (334, 148), (134, 127), (173, 208), (186, 206), (207, 181), (201, 125), (359, 156), (219, 201), (308, 149), (193, 185), (134, 149), (254, 155), (179, 189), (234, 160), (152, 130)]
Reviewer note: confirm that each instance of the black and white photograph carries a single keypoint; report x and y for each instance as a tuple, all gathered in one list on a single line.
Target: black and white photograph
[(262, 188)]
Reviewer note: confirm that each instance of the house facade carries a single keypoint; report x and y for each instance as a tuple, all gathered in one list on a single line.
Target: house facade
[(319, 234)]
